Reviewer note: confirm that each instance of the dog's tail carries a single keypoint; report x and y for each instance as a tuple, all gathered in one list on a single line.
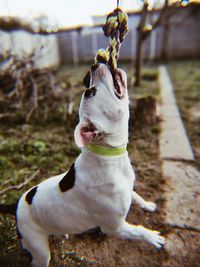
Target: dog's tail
[(8, 209)]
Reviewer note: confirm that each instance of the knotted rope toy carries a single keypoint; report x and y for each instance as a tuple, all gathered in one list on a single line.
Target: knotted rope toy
[(116, 28)]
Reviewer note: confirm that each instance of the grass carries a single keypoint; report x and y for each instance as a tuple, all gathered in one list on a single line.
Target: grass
[(149, 81), (185, 76)]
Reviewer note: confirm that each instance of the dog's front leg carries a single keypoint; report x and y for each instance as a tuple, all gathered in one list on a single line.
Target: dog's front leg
[(129, 231), (146, 205)]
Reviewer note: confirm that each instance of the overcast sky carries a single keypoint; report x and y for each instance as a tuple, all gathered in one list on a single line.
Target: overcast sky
[(65, 13), (68, 13)]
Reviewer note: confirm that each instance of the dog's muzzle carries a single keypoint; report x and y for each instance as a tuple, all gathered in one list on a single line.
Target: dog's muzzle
[(86, 132), (119, 84)]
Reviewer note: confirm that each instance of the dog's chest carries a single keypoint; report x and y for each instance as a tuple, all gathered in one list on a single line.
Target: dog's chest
[(110, 198), (107, 186), (109, 205)]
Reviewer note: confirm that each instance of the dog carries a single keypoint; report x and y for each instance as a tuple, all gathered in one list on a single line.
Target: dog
[(97, 191)]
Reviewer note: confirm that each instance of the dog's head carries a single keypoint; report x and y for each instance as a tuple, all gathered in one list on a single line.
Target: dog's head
[(104, 108)]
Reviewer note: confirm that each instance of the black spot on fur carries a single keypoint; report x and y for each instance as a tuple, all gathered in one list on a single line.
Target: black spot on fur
[(30, 195), (90, 92), (86, 80), (68, 180), (94, 67)]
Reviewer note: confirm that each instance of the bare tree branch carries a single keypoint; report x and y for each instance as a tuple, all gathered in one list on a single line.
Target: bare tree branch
[(35, 99), (143, 32)]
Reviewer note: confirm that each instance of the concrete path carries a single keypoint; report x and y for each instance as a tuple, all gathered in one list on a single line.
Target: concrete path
[(174, 143), (182, 183)]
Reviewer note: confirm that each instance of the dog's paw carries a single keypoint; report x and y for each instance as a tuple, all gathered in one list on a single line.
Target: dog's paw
[(149, 206), (154, 238)]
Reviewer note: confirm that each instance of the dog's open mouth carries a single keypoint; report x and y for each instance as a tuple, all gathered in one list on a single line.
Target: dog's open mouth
[(85, 133), (88, 130)]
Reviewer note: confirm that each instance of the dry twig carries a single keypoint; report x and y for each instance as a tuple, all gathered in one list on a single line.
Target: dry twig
[(20, 186), (29, 91)]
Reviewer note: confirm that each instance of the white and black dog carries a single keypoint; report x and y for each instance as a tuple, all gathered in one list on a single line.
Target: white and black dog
[(97, 191)]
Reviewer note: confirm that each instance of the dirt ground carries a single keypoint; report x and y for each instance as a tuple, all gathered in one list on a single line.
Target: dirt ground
[(49, 148)]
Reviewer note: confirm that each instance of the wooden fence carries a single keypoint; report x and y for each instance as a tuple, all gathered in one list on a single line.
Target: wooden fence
[(183, 39)]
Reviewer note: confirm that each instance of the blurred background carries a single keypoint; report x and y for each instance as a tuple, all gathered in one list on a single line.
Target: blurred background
[(38, 38), (46, 48), (70, 31)]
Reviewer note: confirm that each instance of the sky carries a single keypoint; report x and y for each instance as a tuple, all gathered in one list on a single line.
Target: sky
[(64, 13), (67, 13)]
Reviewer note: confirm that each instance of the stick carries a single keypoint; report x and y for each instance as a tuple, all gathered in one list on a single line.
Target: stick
[(6, 182), (20, 186), (35, 99)]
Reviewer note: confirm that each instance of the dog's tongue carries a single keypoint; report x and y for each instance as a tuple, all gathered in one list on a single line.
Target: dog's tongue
[(82, 135)]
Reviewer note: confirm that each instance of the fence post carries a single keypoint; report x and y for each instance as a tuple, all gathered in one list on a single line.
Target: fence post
[(74, 47), (133, 44)]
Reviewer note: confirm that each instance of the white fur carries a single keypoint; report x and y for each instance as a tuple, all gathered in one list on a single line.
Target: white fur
[(102, 194)]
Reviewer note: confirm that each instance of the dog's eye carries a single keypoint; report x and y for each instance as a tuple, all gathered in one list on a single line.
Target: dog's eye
[(90, 92)]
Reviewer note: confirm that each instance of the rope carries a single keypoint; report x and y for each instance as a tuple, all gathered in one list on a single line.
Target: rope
[(116, 28)]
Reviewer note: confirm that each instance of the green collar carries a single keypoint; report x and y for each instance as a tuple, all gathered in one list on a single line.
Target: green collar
[(106, 151)]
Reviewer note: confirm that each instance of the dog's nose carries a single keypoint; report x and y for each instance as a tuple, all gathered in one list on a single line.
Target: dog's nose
[(90, 92)]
